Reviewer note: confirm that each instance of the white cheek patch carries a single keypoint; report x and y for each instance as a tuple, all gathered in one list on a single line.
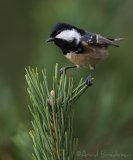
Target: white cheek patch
[(69, 35)]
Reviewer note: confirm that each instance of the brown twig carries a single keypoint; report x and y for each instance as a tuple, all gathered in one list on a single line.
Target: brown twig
[(52, 126)]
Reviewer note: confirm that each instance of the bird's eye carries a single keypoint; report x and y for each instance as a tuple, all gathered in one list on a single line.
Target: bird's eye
[(58, 32)]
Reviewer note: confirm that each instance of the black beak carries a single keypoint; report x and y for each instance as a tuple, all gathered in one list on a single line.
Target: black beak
[(50, 39)]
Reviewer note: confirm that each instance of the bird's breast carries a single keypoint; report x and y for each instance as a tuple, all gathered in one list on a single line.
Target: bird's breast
[(88, 57)]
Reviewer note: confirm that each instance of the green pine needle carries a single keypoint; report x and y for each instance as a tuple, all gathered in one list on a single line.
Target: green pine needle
[(53, 113)]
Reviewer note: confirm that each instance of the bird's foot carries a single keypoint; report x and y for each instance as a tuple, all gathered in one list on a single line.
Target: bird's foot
[(62, 70), (89, 80)]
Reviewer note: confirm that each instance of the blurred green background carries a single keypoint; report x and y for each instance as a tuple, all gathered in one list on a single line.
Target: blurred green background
[(104, 114)]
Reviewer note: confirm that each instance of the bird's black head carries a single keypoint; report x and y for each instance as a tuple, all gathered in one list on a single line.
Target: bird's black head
[(66, 36)]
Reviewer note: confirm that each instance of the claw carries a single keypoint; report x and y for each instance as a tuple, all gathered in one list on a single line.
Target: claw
[(89, 80), (62, 70)]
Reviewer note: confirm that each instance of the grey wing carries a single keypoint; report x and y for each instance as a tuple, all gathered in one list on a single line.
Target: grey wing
[(97, 39)]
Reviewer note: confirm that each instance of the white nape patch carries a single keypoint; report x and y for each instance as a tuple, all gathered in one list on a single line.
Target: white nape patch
[(69, 35)]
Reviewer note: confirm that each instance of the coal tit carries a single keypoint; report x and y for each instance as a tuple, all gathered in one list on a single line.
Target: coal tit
[(81, 47)]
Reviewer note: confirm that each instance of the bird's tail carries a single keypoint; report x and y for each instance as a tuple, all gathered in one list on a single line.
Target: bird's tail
[(115, 40), (118, 39)]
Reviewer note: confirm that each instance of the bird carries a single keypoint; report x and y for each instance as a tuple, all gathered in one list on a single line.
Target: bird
[(81, 47)]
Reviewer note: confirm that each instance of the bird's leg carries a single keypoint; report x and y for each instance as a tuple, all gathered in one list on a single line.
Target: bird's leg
[(64, 69), (89, 79)]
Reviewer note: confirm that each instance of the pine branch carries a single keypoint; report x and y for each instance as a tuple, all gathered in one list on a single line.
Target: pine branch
[(52, 113)]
